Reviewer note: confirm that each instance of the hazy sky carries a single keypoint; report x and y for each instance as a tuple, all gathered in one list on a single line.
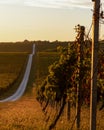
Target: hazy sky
[(44, 19)]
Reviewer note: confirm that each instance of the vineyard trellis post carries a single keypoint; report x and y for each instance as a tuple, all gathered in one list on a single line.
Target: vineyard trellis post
[(94, 64), (80, 41)]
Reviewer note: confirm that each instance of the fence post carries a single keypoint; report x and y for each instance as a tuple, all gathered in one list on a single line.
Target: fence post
[(80, 40)]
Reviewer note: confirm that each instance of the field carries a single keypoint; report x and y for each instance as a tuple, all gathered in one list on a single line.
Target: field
[(26, 113), (13, 60), (11, 69)]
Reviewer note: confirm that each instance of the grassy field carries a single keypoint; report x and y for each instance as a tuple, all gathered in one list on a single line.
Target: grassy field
[(12, 67), (13, 60), (26, 113), (16, 47)]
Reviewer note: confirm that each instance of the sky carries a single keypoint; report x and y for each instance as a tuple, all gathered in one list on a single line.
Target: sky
[(44, 19)]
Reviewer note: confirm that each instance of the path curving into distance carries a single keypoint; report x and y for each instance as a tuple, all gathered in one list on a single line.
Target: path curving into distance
[(23, 84)]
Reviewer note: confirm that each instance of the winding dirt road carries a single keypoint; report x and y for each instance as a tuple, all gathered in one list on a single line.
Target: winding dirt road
[(23, 84)]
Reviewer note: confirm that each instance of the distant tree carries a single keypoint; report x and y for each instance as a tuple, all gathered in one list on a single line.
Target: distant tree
[(26, 41)]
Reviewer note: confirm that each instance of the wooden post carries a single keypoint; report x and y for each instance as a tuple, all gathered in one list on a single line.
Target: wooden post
[(80, 39), (94, 65)]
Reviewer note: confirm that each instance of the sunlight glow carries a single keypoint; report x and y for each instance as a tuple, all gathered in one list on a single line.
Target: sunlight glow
[(50, 3), (43, 19)]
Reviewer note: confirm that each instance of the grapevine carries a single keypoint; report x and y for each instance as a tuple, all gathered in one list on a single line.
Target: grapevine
[(60, 86)]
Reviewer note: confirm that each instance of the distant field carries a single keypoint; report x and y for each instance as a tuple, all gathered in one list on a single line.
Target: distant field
[(11, 69), (13, 60), (16, 47), (49, 47)]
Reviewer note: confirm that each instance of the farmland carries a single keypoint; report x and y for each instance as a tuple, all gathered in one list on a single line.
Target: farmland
[(26, 113), (13, 60)]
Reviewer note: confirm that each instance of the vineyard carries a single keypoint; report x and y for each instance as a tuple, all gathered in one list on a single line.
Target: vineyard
[(61, 86), (13, 60), (49, 59)]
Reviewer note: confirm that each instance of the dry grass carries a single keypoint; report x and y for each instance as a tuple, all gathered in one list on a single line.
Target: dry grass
[(26, 114)]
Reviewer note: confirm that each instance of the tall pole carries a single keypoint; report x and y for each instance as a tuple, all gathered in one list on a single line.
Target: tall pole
[(80, 40), (94, 64)]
